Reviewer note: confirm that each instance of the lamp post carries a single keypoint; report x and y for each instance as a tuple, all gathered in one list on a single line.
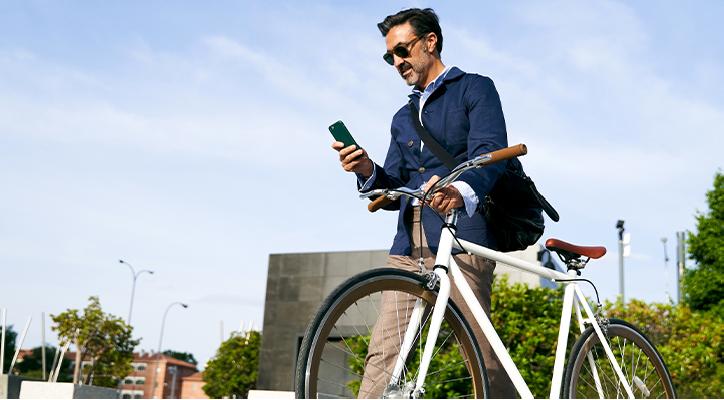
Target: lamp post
[(666, 265), (133, 288), (619, 226), (160, 342)]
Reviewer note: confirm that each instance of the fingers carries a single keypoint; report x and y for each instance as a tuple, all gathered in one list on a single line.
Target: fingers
[(430, 182), (354, 159), (446, 199), (344, 151), (349, 157), (352, 166)]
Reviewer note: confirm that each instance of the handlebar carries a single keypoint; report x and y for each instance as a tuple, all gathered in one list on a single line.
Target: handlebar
[(388, 196)]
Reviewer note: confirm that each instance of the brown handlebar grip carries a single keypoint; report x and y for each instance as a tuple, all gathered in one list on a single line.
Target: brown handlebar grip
[(378, 203), (508, 152)]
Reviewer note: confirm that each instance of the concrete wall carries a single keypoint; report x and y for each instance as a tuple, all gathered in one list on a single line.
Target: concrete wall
[(10, 386), (64, 390), (298, 283), (296, 286)]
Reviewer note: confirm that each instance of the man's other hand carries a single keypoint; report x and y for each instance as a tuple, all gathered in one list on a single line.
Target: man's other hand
[(354, 159), (445, 199)]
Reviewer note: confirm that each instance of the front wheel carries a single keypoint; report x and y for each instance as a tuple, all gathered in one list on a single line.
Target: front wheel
[(590, 373), (334, 357)]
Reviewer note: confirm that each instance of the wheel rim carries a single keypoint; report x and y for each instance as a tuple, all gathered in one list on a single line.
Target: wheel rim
[(337, 354), (640, 363)]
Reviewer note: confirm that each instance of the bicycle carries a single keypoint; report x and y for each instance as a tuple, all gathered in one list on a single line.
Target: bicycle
[(610, 359)]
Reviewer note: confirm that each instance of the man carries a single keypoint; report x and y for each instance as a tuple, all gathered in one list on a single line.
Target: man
[(463, 113)]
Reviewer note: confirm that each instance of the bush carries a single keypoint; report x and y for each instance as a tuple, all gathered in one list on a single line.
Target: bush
[(527, 321), (689, 341)]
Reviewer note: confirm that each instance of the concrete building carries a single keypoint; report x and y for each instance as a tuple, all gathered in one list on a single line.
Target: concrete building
[(298, 283)]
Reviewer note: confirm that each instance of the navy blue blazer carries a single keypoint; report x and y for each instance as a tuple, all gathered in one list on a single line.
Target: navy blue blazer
[(465, 116)]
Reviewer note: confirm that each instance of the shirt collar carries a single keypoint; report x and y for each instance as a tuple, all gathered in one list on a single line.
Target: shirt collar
[(432, 86)]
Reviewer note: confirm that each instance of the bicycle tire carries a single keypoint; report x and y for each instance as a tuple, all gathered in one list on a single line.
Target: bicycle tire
[(322, 333), (639, 360)]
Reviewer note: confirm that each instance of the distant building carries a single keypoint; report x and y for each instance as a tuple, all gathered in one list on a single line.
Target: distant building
[(298, 283), (178, 379), (171, 372), (192, 387)]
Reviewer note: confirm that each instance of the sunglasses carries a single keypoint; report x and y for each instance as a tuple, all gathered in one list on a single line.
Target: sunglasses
[(402, 50)]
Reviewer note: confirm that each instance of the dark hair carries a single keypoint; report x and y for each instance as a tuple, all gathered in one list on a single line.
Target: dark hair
[(422, 22)]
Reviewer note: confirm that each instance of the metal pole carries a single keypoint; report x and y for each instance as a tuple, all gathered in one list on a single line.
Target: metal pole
[(2, 342), (174, 373), (20, 345), (160, 342), (680, 262), (133, 294), (42, 341), (133, 286), (666, 267), (621, 229)]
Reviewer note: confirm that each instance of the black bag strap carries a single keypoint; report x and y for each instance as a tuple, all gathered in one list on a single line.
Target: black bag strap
[(430, 141)]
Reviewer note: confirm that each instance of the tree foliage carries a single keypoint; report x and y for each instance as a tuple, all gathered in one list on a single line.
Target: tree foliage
[(704, 286), (103, 340), (183, 356), (32, 364), (234, 369), (689, 341), (10, 337), (527, 321)]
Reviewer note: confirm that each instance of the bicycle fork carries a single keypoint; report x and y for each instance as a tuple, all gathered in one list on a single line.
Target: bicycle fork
[(438, 275)]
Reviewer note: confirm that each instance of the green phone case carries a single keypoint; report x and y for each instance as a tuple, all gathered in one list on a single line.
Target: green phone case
[(341, 134)]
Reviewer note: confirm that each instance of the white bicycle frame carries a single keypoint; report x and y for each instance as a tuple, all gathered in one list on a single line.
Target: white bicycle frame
[(573, 297)]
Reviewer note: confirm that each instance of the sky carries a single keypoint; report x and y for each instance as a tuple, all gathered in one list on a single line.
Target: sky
[(191, 138)]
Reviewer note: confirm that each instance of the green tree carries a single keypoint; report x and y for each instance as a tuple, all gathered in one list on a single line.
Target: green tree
[(183, 356), (10, 336), (689, 341), (32, 365), (234, 369), (704, 286), (102, 340)]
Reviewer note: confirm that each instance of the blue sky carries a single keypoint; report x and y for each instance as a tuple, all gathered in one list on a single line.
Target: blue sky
[(190, 138)]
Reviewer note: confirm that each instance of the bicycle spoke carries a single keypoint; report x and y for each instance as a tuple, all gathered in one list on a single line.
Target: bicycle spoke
[(446, 368), (333, 383), (340, 351), (340, 367), (455, 380), (357, 330)]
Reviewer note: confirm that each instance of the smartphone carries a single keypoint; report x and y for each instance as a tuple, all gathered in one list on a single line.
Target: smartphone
[(341, 134)]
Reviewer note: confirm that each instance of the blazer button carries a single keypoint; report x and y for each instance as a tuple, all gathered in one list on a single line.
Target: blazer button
[(421, 169), (410, 143)]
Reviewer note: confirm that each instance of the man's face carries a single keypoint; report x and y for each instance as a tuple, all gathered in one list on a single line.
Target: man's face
[(414, 68)]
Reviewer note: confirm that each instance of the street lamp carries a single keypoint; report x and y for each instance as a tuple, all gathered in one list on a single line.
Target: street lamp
[(160, 342), (619, 226), (133, 288)]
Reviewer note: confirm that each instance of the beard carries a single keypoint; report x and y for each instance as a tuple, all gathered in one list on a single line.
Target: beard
[(412, 73)]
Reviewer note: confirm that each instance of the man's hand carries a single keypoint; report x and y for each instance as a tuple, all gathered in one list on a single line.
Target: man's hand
[(354, 159), (445, 199)]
